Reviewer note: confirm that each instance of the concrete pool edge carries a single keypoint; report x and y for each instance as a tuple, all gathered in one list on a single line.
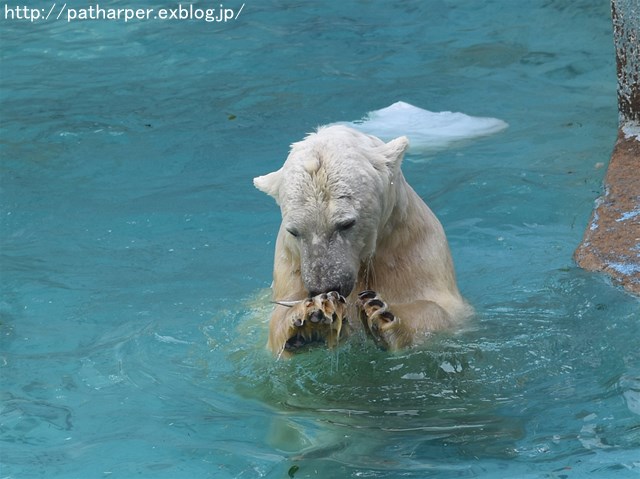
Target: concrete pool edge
[(611, 242)]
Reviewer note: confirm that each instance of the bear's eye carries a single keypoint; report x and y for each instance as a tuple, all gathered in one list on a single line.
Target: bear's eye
[(293, 232), (345, 225)]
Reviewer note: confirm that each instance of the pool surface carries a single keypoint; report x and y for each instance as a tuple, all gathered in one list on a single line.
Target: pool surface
[(136, 254)]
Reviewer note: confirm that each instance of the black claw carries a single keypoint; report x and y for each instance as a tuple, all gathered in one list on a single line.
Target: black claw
[(367, 294), (294, 342), (387, 316), (375, 302), (316, 316)]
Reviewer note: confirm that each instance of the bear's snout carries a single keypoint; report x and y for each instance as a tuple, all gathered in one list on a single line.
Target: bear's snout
[(324, 281), (327, 266), (343, 289)]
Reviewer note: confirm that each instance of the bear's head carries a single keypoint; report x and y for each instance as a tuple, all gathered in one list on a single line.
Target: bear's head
[(336, 192)]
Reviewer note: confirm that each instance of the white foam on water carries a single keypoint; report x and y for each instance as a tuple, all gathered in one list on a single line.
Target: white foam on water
[(426, 130)]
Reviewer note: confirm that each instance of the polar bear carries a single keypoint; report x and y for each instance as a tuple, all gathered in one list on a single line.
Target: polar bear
[(357, 247)]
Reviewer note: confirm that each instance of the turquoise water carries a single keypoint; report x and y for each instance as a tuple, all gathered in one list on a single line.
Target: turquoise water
[(136, 253)]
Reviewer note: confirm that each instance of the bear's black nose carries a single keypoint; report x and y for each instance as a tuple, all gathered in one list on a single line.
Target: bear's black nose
[(343, 289)]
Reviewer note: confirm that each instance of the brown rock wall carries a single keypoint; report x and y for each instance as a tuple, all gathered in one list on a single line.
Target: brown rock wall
[(611, 242)]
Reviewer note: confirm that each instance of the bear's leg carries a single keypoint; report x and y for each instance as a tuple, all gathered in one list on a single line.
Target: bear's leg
[(402, 325), (317, 319)]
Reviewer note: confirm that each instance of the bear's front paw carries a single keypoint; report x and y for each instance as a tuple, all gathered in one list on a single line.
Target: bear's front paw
[(319, 319), (378, 321)]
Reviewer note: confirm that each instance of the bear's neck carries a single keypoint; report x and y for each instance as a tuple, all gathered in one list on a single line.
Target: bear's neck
[(400, 210), (410, 229)]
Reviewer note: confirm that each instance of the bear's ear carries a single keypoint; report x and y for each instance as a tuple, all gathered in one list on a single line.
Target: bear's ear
[(269, 184), (394, 152)]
